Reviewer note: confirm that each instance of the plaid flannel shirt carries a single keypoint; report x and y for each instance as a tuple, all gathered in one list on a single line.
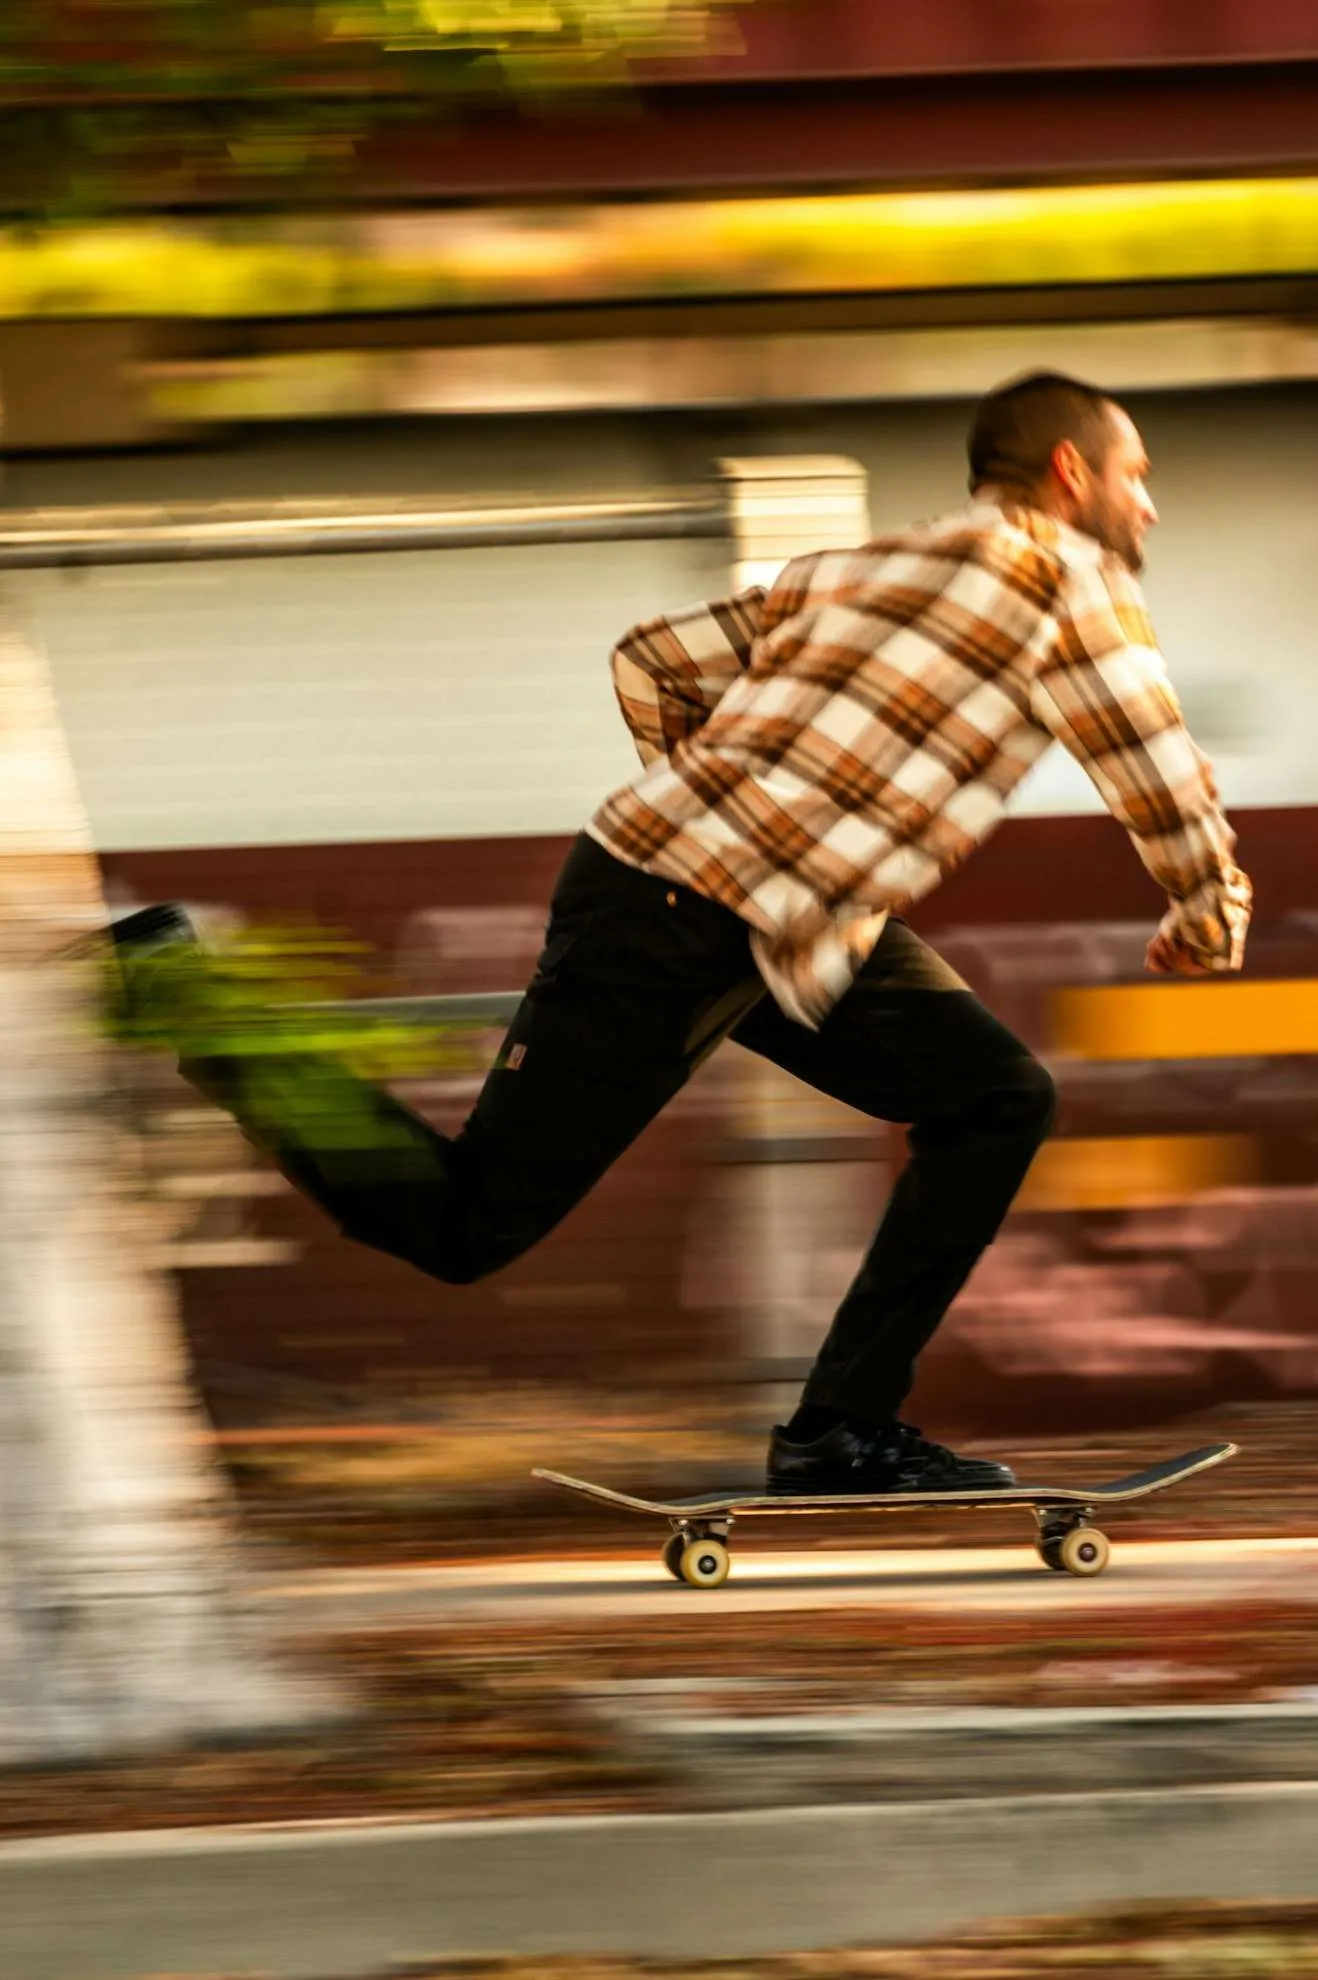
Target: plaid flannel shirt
[(820, 754)]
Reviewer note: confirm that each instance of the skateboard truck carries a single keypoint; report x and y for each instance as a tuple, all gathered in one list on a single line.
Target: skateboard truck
[(1068, 1544), (696, 1551)]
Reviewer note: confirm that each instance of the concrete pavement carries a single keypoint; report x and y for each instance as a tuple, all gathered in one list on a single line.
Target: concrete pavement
[(993, 1579), (333, 1902)]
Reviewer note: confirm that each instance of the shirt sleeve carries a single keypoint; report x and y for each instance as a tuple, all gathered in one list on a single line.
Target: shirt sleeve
[(671, 673), (1102, 690)]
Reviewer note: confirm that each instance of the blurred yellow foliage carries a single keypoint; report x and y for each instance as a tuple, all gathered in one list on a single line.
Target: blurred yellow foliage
[(876, 242), (592, 27)]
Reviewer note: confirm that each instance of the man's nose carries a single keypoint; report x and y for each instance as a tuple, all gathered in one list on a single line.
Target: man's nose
[(1148, 511)]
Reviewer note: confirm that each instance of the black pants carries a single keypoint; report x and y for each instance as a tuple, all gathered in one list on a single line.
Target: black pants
[(638, 981)]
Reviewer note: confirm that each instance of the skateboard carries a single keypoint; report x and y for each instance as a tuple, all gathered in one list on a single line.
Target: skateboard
[(1066, 1538)]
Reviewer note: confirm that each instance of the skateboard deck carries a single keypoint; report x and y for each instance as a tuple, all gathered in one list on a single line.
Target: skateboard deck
[(697, 1550)]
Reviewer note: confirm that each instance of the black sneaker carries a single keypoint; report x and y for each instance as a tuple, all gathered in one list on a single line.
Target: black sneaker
[(895, 1459), (149, 954), (138, 933), (151, 928)]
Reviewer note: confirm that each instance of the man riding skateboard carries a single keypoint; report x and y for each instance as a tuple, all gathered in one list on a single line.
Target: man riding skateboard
[(816, 755)]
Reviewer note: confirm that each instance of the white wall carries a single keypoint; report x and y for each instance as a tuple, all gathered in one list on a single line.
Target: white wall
[(406, 695), (466, 693), (390, 697)]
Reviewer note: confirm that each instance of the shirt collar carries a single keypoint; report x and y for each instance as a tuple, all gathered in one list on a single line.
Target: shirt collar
[(989, 504)]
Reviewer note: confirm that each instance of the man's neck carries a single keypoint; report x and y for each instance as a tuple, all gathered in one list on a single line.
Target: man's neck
[(1008, 495)]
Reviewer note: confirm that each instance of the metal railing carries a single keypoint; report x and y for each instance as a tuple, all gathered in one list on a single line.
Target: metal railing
[(476, 1007), (46, 539)]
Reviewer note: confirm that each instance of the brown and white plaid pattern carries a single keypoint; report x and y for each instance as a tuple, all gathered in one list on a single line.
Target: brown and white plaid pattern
[(822, 754)]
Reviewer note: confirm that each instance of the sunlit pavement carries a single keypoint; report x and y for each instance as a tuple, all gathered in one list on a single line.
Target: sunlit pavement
[(1173, 1573)]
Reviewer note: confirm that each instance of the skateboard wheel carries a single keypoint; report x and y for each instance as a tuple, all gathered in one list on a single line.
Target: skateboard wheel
[(1084, 1550), (674, 1548), (1050, 1553), (705, 1563)]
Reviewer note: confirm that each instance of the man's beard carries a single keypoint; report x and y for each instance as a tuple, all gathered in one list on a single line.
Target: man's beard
[(1114, 532)]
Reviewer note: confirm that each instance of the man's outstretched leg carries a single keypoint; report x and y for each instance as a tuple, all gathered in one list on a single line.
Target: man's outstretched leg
[(637, 982), (908, 1043)]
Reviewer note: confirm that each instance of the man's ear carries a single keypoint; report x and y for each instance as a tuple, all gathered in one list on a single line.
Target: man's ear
[(1069, 467)]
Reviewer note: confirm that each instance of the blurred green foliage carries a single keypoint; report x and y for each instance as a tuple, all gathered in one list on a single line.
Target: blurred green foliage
[(276, 1017), (155, 101)]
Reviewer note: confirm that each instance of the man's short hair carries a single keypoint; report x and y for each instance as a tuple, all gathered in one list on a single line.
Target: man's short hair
[(1016, 428)]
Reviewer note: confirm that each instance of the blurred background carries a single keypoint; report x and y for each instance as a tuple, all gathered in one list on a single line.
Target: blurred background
[(368, 369)]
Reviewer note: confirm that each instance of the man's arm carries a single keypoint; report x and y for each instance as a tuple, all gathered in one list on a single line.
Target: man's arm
[(1103, 691), (671, 673)]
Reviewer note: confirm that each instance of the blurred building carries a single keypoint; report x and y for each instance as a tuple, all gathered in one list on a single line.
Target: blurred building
[(825, 244)]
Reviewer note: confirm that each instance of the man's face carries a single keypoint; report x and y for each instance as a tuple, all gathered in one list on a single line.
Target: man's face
[(1116, 507)]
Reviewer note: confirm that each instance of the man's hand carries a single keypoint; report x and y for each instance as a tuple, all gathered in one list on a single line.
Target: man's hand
[(1165, 956)]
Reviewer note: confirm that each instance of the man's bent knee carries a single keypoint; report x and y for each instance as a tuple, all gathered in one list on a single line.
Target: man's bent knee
[(452, 1264), (417, 1228), (463, 1257), (1026, 1102), (467, 1265)]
